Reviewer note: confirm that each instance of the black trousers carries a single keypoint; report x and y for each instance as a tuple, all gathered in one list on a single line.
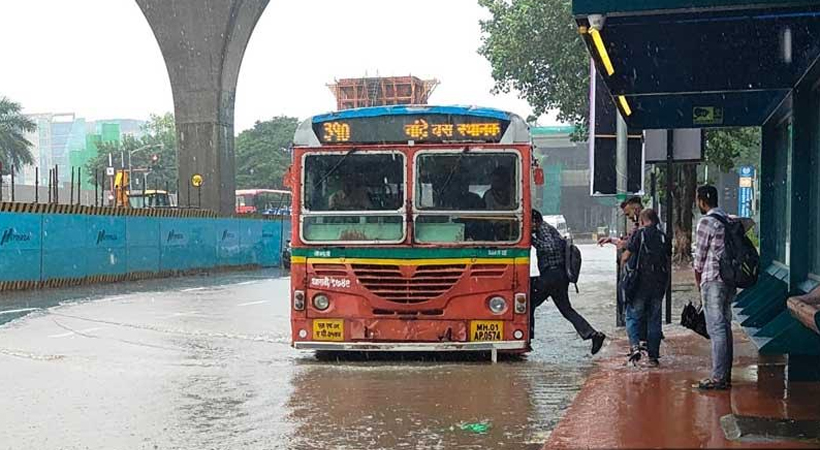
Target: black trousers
[(557, 288)]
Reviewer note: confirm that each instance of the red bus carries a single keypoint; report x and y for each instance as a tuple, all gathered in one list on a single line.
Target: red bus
[(410, 230), (263, 201)]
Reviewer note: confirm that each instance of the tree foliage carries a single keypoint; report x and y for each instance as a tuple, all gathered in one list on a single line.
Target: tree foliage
[(731, 147), (534, 48), (160, 132), (262, 153), (15, 149)]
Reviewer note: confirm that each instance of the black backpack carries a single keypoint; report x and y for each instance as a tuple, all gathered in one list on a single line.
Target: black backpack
[(649, 267), (572, 255), (656, 253), (740, 263)]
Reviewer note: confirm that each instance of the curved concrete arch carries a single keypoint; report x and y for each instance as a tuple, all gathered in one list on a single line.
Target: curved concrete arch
[(203, 43)]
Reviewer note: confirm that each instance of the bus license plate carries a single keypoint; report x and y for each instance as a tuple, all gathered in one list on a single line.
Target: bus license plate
[(486, 330), (329, 330)]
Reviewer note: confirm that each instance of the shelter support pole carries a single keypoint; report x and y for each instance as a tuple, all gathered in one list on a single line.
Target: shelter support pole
[(670, 229), (621, 168)]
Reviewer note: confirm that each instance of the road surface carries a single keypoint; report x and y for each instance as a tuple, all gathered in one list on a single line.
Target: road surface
[(205, 363)]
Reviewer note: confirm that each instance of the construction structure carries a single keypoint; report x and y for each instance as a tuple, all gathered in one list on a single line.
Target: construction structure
[(381, 91)]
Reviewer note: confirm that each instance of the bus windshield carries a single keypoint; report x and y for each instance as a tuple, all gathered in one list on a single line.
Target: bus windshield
[(354, 182), (467, 196)]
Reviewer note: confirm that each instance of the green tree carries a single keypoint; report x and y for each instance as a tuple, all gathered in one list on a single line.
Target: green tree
[(731, 147), (534, 47), (262, 154), (14, 147), (156, 165)]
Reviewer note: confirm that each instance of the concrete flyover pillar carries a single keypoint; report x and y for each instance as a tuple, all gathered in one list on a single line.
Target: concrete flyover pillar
[(203, 42)]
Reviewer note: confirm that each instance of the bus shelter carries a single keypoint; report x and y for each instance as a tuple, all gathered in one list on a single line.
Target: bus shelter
[(727, 63)]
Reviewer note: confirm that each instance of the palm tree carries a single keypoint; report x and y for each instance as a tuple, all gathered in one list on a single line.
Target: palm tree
[(14, 147)]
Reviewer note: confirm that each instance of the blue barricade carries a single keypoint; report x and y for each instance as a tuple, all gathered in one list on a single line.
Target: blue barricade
[(20, 246), (43, 246)]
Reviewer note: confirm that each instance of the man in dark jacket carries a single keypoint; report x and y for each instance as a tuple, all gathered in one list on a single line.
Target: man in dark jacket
[(647, 253), (553, 281)]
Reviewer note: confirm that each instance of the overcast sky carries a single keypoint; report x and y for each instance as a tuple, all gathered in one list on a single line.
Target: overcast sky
[(99, 59)]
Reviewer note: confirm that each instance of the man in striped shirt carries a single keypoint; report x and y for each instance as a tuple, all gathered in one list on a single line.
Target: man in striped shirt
[(716, 296)]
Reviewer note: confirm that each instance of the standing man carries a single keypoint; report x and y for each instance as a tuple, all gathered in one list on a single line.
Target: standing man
[(716, 295), (553, 281), (648, 253), (631, 209)]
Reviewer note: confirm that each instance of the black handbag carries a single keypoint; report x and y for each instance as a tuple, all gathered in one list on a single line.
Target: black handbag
[(631, 277), (694, 318)]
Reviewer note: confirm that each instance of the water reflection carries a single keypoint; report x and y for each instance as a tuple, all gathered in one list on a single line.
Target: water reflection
[(384, 405)]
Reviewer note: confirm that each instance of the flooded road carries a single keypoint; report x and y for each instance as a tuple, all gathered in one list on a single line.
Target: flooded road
[(205, 363)]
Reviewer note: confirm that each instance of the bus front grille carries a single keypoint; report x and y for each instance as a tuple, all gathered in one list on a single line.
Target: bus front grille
[(409, 284)]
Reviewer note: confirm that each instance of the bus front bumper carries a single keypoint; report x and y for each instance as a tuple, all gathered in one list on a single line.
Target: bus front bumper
[(411, 346)]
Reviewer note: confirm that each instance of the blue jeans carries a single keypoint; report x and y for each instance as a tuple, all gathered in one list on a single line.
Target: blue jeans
[(717, 306), (643, 313)]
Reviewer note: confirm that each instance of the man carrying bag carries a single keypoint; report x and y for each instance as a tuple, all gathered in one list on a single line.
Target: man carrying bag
[(553, 280)]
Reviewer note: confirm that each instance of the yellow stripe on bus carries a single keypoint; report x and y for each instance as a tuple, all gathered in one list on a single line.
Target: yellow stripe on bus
[(411, 262)]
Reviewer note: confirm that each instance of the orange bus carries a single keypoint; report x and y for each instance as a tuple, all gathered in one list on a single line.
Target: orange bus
[(410, 230)]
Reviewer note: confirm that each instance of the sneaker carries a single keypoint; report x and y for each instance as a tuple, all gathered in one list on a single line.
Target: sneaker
[(634, 355), (710, 384), (597, 342), (653, 363), (643, 346)]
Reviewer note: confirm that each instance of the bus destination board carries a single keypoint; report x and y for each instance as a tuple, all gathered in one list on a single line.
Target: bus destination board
[(425, 128)]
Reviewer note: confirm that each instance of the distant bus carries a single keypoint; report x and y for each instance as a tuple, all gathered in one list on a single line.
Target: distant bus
[(410, 230), (263, 201)]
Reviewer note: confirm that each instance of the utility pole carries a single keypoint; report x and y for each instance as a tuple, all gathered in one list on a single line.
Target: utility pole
[(621, 166), (621, 169)]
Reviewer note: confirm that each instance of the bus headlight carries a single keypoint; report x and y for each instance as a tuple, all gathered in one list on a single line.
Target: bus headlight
[(299, 300), (321, 302), (520, 303), (498, 305)]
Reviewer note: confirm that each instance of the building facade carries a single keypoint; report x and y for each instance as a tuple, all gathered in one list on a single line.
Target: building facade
[(65, 141), (566, 181)]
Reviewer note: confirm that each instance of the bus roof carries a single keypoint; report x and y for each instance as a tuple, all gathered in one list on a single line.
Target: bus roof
[(260, 191), (409, 110), (516, 129)]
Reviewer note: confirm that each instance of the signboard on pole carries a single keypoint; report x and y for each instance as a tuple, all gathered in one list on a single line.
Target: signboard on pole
[(745, 192), (602, 145), (687, 145)]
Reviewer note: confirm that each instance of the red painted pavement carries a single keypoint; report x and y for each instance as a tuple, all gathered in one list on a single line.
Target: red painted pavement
[(629, 407)]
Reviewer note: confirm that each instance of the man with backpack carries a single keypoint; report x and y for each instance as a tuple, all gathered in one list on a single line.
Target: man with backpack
[(553, 280), (645, 260), (725, 259)]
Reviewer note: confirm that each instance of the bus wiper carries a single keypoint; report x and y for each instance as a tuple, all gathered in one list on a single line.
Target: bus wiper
[(336, 166), (453, 170)]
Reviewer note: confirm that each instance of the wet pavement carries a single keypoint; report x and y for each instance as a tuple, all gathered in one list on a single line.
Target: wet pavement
[(623, 406), (205, 363)]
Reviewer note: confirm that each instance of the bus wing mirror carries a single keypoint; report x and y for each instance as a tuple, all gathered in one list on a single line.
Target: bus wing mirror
[(538, 175), (286, 180)]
